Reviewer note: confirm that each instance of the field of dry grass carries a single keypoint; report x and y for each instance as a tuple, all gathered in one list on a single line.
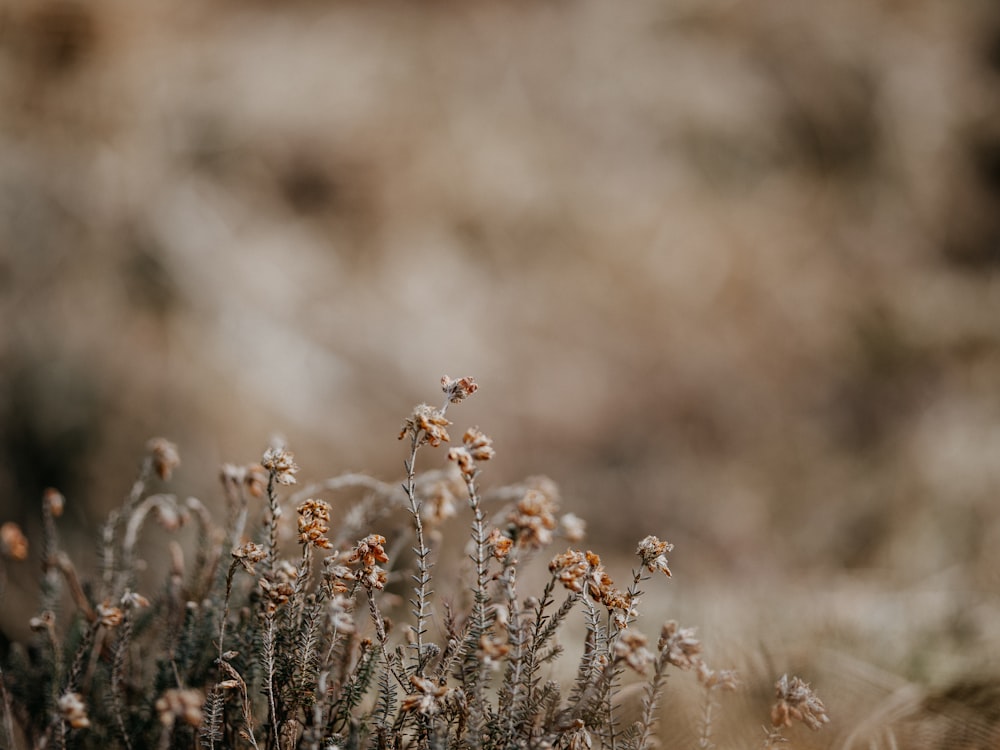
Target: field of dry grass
[(726, 271)]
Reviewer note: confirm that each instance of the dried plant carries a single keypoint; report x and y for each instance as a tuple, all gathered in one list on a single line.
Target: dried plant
[(278, 650)]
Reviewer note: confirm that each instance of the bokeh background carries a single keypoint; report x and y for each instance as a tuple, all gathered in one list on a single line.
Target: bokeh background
[(727, 271)]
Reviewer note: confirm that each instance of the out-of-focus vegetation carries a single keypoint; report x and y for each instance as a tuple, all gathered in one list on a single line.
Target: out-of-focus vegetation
[(729, 266)]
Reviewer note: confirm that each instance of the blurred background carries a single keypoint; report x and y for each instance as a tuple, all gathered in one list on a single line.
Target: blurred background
[(726, 271)]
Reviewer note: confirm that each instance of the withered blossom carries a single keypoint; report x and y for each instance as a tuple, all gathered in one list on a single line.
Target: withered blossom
[(572, 527), (13, 542), (182, 704), (426, 700), (533, 519), (164, 456), (499, 545), (459, 389), (653, 554), (796, 700), (249, 553), (570, 568), (369, 551), (631, 648), (682, 648), (53, 501), (427, 425), (109, 616), (476, 446), (73, 710), (314, 523), (281, 464), (718, 679)]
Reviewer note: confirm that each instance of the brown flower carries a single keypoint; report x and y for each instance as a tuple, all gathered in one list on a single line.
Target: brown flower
[(183, 704), (369, 551), (680, 644), (13, 542), (718, 679), (533, 519), (72, 709), (653, 554), (427, 425), (631, 648), (499, 545), (796, 700), (110, 617), (476, 446), (281, 464), (164, 456), (249, 553), (314, 523), (458, 390)]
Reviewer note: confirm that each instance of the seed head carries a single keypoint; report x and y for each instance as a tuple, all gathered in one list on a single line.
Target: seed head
[(249, 553), (369, 551), (110, 617)]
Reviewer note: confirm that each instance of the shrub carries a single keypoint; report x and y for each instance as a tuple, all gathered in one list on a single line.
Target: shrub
[(252, 649)]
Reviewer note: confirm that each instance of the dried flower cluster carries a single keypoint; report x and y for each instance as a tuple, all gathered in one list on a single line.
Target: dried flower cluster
[(261, 652), (281, 464), (795, 700)]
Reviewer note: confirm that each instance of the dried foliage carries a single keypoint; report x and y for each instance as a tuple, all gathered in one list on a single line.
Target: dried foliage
[(259, 650)]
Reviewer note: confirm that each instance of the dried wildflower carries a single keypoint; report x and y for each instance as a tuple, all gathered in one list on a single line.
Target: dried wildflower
[(314, 523), (54, 502), (44, 621), (438, 496), (579, 738), (164, 456), (427, 425), (572, 527), (491, 650), (276, 593), (249, 553), (458, 390), (339, 608), (599, 583), (369, 551), (653, 554), (570, 567), (426, 700), (373, 578), (183, 704), (533, 519), (255, 480), (796, 700), (631, 648), (281, 464), (499, 545), (718, 679), (681, 647), (73, 710), (13, 542), (133, 600), (337, 575), (110, 617), (476, 446)]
